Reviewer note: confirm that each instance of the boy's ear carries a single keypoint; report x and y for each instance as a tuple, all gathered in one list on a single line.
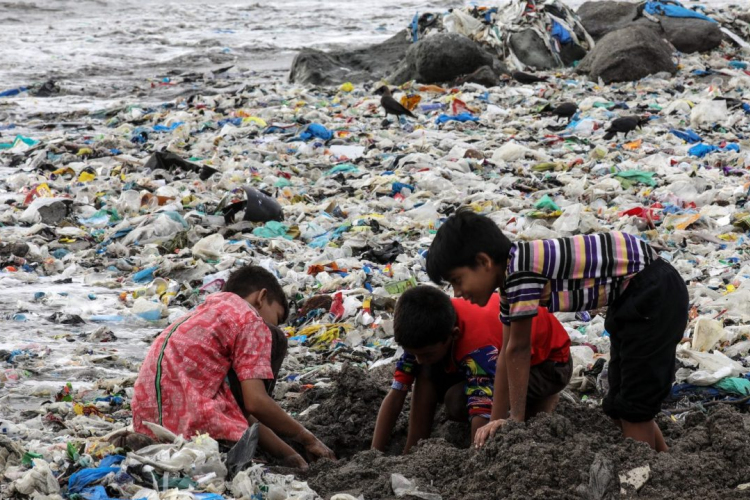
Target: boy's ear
[(256, 299), (484, 260), (456, 332)]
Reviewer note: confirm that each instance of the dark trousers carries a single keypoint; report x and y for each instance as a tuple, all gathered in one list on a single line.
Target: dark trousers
[(645, 325)]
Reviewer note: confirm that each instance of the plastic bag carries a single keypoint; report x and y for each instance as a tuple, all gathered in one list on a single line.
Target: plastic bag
[(569, 220), (706, 334), (402, 487), (708, 113), (210, 247)]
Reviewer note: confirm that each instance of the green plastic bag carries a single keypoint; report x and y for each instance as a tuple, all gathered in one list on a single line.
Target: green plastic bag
[(546, 203), (343, 168), (630, 178), (272, 229), (734, 385)]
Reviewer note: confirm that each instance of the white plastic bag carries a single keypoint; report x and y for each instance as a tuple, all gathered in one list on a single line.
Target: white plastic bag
[(210, 247), (569, 220)]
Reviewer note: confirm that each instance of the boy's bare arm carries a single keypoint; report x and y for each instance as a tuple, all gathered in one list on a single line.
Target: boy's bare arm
[(261, 406), (423, 404), (390, 409), (500, 394), (273, 444), (518, 363)]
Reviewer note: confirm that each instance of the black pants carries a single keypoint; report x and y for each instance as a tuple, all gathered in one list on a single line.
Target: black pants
[(645, 325)]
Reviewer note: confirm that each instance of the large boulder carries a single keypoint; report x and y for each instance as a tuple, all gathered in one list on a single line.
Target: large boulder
[(532, 51), (314, 67), (691, 35), (601, 18), (628, 54), (443, 57), (686, 34)]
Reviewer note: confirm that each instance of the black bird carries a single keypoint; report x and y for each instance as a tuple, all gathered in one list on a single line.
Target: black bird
[(391, 105), (522, 77), (565, 110), (624, 125)]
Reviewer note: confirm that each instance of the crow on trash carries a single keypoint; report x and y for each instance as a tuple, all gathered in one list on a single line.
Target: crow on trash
[(624, 125), (565, 110), (391, 105)]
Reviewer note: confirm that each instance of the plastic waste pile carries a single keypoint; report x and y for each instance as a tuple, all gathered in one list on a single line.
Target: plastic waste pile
[(551, 22), (111, 230)]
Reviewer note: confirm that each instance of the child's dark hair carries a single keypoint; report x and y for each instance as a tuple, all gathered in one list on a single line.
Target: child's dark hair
[(424, 316), (458, 241), (249, 279)]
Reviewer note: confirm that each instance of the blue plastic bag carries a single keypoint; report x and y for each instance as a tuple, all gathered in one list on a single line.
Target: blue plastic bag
[(110, 460), (12, 92), (316, 130), (145, 275), (396, 188), (415, 28), (562, 35), (79, 480), (673, 9), (701, 150), (463, 117), (687, 135), (165, 128)]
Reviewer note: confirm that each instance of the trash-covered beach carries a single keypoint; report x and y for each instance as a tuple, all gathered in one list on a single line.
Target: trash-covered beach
[(124, 203)]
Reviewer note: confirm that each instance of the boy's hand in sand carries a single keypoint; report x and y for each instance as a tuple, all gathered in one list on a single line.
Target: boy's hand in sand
[(319, 450), (314, 446), (295, 461), (487, 431)]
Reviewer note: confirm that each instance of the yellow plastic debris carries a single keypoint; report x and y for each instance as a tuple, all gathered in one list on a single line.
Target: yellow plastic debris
[(86, 176), (255, 119)]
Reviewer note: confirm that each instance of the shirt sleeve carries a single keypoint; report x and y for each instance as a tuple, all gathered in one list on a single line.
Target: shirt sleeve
[(479, 370), (406, 371), (251, 354), (520, 297)]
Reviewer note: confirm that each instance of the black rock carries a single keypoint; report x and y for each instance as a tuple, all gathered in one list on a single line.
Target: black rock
[(315, 67), (628, 54), (483, 76), (532, 51), (686, 34), (691, 35), (442, 58), (603, 17)]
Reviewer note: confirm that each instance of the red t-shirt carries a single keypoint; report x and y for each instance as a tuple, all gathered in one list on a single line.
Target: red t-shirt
[(479, 341), (481, 326), (182, 382)]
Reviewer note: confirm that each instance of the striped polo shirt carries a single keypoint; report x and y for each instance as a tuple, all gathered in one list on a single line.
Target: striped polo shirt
[(583, 272)]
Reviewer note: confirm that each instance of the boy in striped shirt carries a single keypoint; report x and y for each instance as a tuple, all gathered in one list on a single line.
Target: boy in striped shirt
[(646, 318)]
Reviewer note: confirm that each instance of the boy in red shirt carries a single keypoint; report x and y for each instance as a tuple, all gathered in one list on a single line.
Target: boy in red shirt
[(451, 348), (182, 384)]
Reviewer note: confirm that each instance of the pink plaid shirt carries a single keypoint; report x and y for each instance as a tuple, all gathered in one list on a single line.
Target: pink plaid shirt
[(182, 382)]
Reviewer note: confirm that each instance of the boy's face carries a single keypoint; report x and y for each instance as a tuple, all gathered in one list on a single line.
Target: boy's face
[(271, 311), (432, 353), (475, 284)]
